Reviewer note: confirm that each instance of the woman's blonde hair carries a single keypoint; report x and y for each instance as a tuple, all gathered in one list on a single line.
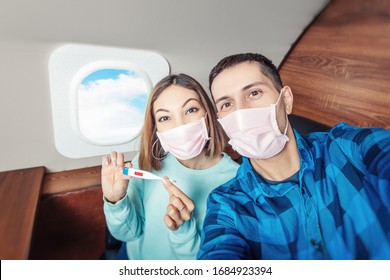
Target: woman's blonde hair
[(151, 151)]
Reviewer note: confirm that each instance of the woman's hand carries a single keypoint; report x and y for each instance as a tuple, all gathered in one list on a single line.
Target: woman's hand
[(180, 206), (114, 183)]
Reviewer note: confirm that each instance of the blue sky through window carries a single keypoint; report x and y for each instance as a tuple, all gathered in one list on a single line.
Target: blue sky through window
[(111, 105), (104, 74)]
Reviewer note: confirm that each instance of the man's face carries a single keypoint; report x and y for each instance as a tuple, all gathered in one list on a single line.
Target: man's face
[(242, 86)]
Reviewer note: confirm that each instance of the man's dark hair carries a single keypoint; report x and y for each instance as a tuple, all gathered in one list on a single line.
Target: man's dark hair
[(267, 68)]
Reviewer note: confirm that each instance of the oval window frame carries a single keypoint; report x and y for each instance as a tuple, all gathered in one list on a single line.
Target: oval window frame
[(64, 62)]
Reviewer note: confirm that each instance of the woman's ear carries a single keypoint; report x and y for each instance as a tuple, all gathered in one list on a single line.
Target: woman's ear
[(288, 99)]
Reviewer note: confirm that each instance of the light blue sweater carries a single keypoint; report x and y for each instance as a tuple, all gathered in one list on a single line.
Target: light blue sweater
[(138, 218)]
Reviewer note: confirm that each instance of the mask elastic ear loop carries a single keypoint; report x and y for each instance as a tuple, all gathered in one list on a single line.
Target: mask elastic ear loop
[(280, 95), (277, 101), (208, 144), (207, 128), (157, 158), (287, 123)]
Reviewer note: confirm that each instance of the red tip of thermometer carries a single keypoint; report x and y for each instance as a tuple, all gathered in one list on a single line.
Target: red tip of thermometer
[(142, 174)]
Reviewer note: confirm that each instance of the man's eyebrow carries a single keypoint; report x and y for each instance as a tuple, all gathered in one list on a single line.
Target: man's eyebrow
[(252, 85), (243, 89), (221, 99)]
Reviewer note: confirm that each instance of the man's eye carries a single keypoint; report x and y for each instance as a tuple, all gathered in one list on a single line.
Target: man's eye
[(225, 106), (254, 93)]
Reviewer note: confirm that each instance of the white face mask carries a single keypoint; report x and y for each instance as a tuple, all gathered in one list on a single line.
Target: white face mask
[(185, 141), (254, 133)]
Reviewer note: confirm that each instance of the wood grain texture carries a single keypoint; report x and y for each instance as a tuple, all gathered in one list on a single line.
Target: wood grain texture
[(339, 69), (66, 181), (19, 197)]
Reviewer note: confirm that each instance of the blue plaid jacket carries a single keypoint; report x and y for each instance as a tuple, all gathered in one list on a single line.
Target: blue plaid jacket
[(338, 208)]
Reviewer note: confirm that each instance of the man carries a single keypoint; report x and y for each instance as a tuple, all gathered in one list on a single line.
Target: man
[(321, 196)]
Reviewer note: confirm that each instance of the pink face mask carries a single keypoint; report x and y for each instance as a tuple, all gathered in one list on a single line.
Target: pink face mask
[(185, 141), (254, 133)]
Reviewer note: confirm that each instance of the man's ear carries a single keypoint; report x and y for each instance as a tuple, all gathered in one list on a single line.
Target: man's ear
[(288, 99)]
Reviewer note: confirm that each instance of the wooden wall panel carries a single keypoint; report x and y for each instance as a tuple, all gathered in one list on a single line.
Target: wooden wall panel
[(339, 70), (66, 181)]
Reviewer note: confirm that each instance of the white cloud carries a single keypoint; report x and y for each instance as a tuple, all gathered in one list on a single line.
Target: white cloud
[(106, 114)]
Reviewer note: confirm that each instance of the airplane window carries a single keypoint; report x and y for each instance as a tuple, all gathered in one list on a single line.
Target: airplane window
[(98, 97)]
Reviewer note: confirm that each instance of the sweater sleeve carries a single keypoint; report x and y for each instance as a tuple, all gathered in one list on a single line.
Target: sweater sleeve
[(185, 241), (125, 218)]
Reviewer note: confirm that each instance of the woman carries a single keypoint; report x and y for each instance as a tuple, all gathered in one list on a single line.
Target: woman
[(182, 140)]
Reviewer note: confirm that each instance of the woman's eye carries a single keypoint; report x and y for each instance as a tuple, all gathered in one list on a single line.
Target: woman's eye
[(192, 110), (163, 119)]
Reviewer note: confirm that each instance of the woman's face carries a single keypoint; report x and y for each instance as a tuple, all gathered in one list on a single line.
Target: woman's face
[(177, 106)]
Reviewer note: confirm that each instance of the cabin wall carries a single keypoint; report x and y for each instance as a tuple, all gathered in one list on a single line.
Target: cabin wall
[(191, 35), (339, 70)]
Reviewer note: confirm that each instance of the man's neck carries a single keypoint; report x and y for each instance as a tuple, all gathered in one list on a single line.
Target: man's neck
[(283, 165)]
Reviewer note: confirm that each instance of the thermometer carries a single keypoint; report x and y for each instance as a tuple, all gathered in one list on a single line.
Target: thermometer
[(142, 174)]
